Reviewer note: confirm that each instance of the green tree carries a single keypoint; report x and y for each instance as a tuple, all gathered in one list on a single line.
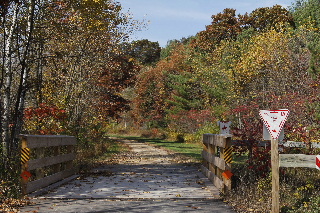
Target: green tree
[(152, 88), (145, 51), (187, 93), (307, 17)]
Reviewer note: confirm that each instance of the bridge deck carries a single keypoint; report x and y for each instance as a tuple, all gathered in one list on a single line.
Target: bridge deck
[(146, 176)]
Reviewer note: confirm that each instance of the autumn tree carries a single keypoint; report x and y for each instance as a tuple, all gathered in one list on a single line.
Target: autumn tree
[(228, 26), (307, 18), (144, 51), (54, 54), (85, 59), (152, 88), (267, 18), (224, 26), (17, 37)]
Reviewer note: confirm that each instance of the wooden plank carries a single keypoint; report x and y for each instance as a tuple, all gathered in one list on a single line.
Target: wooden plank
[(46, 181), (247, 143), (213, 178), (216, 139), (299, 144), (293, 144), (297, 160), (48, 161), (226, 136), (219, 140), (36, 141), (206, 138), (39, 171), (275, 176), (315, 145), (220, 163), (24, 167)]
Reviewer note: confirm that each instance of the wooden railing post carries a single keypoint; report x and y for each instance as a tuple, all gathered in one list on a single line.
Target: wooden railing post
[(216, 157), (25, 156), (43, 144), (39, 155)]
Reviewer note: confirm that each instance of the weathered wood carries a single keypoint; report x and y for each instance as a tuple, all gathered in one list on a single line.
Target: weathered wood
[(219, 140), (216, 139), (206, 138), (39, 145), (36, 141), (212, 177), (220, 163), (46, 181), (57, 166), (292, 144), (299, 144), (275, 176), (39, 170), (297, 160), (24, 167), (48, 161), (213, 157), (69, 164), (227, 166)]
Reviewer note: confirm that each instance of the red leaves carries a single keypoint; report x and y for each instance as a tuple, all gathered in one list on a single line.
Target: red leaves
[(44, 111), (45, 119)]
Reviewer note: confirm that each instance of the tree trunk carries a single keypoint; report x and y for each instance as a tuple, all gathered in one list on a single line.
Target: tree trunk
[(7, 81), (20, 102)]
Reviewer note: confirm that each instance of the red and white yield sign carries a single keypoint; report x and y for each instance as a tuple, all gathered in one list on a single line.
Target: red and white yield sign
[(274, 120), (318, 162)]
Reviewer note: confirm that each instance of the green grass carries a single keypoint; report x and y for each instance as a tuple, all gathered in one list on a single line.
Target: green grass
[(191, 150)]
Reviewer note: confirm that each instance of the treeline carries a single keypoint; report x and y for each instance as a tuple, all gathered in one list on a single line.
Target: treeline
[(68, 68), (267, 59), (62, 71)]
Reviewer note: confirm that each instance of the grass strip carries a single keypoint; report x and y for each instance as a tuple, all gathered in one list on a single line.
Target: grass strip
[(191, 150)]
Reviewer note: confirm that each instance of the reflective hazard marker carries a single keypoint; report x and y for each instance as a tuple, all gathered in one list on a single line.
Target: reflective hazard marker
[(228, 154), (318, 162), (227, 174), (25, 155), (25, 175)]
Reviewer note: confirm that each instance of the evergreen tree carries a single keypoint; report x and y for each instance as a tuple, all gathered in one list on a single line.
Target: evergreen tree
[(187, 93)]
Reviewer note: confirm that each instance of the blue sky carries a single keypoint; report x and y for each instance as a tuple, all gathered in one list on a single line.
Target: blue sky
[(174, 19)]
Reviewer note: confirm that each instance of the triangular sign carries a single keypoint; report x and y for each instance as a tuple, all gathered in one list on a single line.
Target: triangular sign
[(274, 120), (318, 162)]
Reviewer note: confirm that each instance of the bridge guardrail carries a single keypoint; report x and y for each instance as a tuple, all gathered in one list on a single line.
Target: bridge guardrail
[(45, 159)]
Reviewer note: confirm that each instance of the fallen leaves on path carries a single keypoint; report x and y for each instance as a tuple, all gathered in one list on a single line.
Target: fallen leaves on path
[(11, 205)]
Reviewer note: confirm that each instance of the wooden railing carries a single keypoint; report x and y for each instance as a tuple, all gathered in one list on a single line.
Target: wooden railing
[(217, 157), (45, 159)]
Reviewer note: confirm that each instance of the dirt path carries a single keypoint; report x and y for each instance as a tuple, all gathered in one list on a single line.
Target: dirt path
[(146, 179)]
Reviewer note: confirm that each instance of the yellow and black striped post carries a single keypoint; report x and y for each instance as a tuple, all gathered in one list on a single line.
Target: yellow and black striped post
[(228, 154), (25, 155)]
